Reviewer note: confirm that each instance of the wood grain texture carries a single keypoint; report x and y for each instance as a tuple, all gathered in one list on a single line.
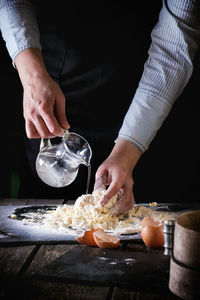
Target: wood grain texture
[(126, 294), (40, 289), (12, 261), (10, 201), (45, 201)]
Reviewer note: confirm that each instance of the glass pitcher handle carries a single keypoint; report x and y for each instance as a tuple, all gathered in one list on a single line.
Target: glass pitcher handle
[(66, 133), (45, 142)]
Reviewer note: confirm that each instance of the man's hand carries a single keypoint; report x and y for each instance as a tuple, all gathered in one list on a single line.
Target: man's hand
[(116, 172), (43, 100)]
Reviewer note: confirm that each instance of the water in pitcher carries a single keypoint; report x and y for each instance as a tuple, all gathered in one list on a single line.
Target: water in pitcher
[(57, 165), (55, 169)]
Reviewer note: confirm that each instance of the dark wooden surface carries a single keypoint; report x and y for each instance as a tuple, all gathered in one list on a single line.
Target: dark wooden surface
[(17, 264)]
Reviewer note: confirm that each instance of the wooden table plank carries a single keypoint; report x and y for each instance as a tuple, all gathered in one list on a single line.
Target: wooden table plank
[(141, 247), (12, 260), (56, 290), (61, 291), (124, 294), (127, 294), (21, 202), (10, 201), (46, 254), (45, 201)]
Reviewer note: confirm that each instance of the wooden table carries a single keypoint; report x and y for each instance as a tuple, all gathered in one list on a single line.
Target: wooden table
[(18, 262)]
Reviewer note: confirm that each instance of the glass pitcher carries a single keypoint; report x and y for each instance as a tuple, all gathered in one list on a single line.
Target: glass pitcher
[(58, 165)]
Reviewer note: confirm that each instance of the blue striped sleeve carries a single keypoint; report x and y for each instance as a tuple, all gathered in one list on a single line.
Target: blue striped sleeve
[(175, 42), (18, 26)]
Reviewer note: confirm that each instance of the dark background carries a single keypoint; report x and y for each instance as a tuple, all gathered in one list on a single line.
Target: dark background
[(167, 172)]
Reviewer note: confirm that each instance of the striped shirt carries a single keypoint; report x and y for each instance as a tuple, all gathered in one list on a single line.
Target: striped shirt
[(175, 40)]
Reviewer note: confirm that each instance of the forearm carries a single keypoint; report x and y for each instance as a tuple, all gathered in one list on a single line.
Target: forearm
[(175, 41), (126, 154), (30, 65)]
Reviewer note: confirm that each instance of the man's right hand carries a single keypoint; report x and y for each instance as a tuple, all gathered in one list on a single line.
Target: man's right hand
[(43, 100)]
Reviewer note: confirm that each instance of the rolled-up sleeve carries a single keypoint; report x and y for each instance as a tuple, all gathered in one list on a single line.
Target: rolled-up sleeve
[(175, 41), (18, 26)]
